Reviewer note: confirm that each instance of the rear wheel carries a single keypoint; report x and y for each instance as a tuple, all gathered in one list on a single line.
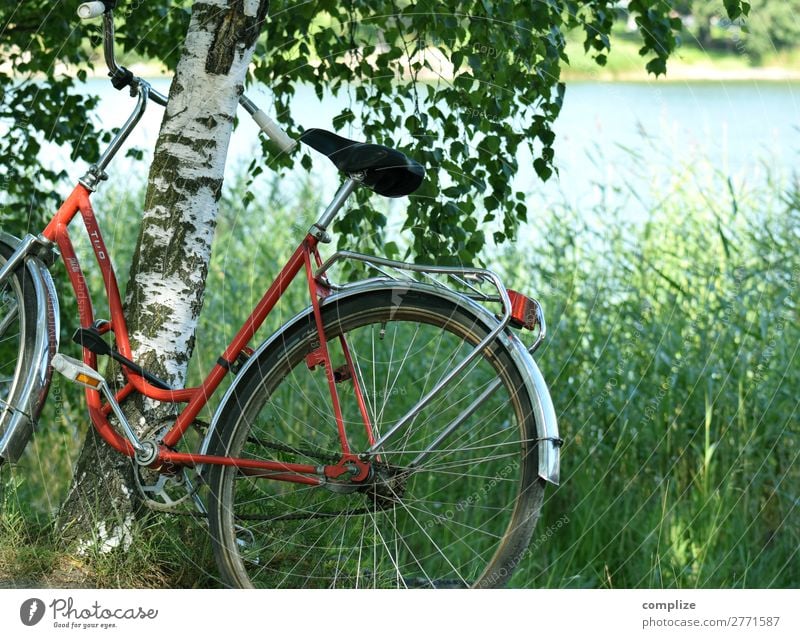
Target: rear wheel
[(17, 329), (462, 518)]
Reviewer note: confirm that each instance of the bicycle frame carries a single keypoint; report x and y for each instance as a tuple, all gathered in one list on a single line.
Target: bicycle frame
[(305, 258)]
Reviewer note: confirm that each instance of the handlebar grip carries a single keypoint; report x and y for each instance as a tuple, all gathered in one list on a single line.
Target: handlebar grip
[(89, 10), (274, 131)]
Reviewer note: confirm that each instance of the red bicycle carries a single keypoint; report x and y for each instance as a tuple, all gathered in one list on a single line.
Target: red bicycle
[(394, 433)]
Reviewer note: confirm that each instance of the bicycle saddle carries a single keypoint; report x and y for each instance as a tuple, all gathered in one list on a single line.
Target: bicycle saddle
[(386, 171)]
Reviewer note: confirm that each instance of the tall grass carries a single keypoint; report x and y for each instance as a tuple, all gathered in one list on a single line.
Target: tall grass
[(672, 364)]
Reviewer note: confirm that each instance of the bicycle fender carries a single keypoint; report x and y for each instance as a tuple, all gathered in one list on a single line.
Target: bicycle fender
[(15, 435), (544, 412)]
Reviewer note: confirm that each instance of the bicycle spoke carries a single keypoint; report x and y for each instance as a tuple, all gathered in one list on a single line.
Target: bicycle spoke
[(9, 317)]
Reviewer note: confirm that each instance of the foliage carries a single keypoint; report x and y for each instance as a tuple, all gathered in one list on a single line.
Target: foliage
[(46, 55), (772, 26), (460, 85)]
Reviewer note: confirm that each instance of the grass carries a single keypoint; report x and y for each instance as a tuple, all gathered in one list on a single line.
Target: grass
[(28, 550), (673, 364), (167, 552), (672, 361)]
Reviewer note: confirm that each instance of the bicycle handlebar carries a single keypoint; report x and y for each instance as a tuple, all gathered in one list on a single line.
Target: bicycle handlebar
[(89, 10), (121, 77)]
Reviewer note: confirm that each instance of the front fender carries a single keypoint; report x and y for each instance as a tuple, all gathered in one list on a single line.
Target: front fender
[(17, 432), (544, 413)]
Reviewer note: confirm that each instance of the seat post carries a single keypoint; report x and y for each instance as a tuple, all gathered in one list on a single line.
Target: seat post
[(345, 190)]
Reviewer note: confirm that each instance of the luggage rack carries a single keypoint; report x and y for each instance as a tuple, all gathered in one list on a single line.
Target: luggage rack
[(478, 284)]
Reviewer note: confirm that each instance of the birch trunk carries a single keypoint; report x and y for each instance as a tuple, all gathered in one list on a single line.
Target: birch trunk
[(167, 278)]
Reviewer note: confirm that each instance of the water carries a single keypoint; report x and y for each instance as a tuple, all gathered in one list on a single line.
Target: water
[(639, 132), (633, 133)]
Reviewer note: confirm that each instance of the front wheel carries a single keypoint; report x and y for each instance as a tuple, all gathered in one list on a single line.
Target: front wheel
[(463, 517)]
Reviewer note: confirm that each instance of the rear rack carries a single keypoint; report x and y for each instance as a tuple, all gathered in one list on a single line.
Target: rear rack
[(478, 284)]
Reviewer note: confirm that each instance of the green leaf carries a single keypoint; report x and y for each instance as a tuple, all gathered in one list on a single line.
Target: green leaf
[(657, 66), (542, 169), (735, 8)]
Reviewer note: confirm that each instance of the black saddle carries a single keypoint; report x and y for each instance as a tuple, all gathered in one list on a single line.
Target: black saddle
[(386, 171)]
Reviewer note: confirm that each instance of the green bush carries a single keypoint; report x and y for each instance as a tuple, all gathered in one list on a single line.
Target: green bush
[(672, 365)]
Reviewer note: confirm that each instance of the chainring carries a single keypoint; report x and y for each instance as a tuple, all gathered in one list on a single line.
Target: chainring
[(163, 492)]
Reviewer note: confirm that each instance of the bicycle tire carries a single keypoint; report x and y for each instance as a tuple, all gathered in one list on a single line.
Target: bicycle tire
[(17, 297), (484, 513)]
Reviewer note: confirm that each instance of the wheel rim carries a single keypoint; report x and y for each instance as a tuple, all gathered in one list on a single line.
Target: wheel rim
[(442, 525)]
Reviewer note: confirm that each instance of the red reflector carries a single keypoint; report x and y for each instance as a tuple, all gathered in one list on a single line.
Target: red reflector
[(523, 310)]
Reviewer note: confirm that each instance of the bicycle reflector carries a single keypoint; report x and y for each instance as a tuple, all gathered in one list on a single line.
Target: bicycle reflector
[(524, 310), (77, 371)]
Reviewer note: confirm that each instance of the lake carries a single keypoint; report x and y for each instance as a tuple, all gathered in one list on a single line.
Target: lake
[(608, 133)]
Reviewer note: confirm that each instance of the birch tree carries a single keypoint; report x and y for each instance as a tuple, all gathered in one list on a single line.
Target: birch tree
[(167, 276)]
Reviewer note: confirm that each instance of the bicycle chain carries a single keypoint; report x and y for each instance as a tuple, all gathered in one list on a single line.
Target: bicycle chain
[(279, 518), (328, 457), (312, 454), (319, 455), (299, 517)]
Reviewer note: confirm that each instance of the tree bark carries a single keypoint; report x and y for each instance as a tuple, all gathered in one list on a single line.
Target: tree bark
[(167, 277)]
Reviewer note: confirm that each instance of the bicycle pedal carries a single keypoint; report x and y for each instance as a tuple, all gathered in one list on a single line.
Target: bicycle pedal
[(77, 371), (82, 374)]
